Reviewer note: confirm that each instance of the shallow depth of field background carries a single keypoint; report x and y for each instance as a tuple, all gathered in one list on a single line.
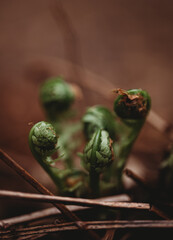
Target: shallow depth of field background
[(96, 44)]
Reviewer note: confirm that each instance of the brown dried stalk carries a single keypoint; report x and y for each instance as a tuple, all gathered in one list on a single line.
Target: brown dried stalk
[(142, 184), (94, 225), (109, 234), (6, 223), (72, 201), (32, 181), (32, 237), (40, 188), (137, 179)]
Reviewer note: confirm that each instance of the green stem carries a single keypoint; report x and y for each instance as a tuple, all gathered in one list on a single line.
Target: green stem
[(94, 183), (94, 176), (68, 142), (54, 173), (131, 107), (124, 148)]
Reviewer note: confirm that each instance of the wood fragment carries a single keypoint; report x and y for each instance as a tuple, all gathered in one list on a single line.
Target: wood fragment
[(40, 188), (141, 183), (129, 173), (37, 215), (92, 225), (32, 237), (72, 201), (109, 234)]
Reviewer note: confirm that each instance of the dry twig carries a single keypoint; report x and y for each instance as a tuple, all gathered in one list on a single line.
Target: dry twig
[(72, 201), (40, 188), (6, 223), (94, 225), (141, 183), (109, 234)]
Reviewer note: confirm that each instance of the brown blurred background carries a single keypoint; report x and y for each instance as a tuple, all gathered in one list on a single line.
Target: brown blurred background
[(96, 44)]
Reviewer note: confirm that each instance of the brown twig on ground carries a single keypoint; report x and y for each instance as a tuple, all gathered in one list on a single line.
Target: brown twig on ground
[(92, 225), (142, 184), (72, 201), (109, 234), (54, 212), (43, 190), (128, 172), (32, 237)]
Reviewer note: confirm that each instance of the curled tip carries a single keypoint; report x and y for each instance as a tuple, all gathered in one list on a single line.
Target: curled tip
[(98, 117), (132, 104), (56, 95), (98, 153), (43, 139)]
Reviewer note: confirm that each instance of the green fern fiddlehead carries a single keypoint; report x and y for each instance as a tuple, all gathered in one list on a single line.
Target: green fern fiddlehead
[(132, 108), (99, 117), (56, 97), (97, 156)]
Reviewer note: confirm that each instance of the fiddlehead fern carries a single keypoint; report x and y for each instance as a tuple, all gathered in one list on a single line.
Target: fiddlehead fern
[(43, 140), (98, 117), (56, 97), (100, 126), (43, 143), (131, 107), (97, 156), (133, 104)]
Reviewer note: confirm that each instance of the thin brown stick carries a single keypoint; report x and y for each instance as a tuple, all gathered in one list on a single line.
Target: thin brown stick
[(6, 223), (94, 225), (32, 237), (40, 188), (72, 201), (32, 181), (37, 215), (141, 183), (109, 234), (24, 236), (159, 212), (137, 179)]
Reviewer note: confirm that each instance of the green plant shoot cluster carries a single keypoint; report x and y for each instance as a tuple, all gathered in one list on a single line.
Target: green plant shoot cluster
[(97, 156), (98, 152), (99, 117), (132, 107), (109, 135), (56, 97)]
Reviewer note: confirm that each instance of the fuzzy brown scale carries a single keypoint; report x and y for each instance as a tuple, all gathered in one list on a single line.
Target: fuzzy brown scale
[(135, 103)]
